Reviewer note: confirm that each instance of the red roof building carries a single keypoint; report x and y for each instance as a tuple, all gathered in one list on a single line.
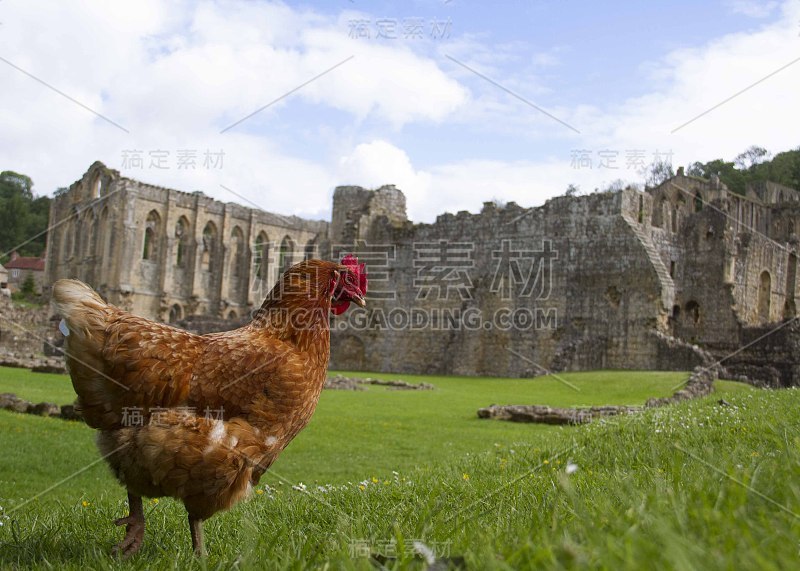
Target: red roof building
[(19, 267), (18, 262)]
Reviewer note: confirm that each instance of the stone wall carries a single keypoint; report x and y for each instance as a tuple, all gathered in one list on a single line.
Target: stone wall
[(661, 279), (167, 254), (584, 295)]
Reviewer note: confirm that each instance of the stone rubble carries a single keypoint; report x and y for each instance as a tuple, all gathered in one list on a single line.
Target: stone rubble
[(699, 384), (342, 383)]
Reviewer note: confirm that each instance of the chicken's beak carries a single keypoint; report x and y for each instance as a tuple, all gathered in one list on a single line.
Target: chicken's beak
[(360, 300)]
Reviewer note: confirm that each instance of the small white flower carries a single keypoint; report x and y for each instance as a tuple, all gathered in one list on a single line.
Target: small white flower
[(425, 552), (572, 468), (301, 487)]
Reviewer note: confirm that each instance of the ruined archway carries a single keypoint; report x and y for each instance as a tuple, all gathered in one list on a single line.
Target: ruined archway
[(175, 313), (286, 254), (152, 237)]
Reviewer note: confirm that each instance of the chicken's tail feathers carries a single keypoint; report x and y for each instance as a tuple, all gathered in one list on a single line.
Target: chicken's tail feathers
[(84, 321), (80, 306)]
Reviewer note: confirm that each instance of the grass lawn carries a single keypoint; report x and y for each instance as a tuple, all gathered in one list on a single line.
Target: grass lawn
[(353, 434), (698, 485)]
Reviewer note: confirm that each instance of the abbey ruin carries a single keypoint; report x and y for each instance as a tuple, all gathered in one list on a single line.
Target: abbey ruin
[(682, 275)]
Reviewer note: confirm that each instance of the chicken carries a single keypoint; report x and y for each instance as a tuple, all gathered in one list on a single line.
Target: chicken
[(201, 417)]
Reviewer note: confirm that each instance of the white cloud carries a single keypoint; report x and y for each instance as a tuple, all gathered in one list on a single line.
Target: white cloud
[(174, 75), (379, 162), (753, 8)]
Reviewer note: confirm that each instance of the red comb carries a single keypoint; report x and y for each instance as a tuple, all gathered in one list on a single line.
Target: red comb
[(360, 271)]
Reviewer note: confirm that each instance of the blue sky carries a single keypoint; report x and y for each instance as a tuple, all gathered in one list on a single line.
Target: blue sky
[(427, 109)]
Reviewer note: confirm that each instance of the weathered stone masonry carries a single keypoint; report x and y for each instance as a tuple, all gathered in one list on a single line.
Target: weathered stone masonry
[(671, 278), (166, 254)]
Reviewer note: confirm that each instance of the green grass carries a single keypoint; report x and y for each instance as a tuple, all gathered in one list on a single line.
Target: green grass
[(697, 485), (380, 430), (36, 387)]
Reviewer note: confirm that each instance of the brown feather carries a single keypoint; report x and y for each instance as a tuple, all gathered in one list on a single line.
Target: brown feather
[(265, 378)]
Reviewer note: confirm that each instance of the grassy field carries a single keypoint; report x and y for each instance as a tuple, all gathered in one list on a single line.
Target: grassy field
[(698, 485)]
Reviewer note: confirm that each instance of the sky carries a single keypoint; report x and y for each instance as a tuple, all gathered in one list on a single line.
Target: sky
[(455, 102)]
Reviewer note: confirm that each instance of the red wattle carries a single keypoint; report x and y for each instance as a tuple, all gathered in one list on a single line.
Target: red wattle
[(339, 307)]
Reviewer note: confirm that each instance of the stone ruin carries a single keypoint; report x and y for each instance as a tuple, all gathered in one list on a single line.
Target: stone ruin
[(682, 275), (699, 384)]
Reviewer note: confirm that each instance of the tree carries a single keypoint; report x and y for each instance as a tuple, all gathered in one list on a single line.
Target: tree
[(657, 172), (28, 287), (751, 157), (616, 185), (572, 190), (752, 165), (22, 215)]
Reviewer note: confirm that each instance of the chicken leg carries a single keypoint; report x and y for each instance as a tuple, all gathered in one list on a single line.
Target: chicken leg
[(196, 529), (134, 530)]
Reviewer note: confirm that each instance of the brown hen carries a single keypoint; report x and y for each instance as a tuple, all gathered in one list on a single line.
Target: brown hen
[(201, 417)]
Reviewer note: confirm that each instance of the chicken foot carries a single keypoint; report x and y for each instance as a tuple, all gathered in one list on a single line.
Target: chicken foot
[(196, 529), (134, 530)]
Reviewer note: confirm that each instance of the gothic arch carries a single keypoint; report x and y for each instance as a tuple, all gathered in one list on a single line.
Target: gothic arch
[(237, 253), (208, 260), (286, 256), (152, 237), (96, 187), (182, 237), (261, 262), (175, 313)]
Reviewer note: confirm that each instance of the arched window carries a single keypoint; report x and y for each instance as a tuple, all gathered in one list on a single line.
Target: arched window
[(151, 236), (674, 218), (237, 252), (764, 294), (97, 187), (182, 241), (175, 313), (698, 202), (261, 258), (286, 254), (232, 315), (209, 247)]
